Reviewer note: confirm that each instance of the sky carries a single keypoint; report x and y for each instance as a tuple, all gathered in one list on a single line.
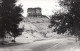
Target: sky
[(48, 6)]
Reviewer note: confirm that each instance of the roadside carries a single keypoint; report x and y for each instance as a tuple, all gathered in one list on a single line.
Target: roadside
[(46, 45), (67, 45)]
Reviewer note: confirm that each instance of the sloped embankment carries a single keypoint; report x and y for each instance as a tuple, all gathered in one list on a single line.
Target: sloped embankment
[(30, 32)]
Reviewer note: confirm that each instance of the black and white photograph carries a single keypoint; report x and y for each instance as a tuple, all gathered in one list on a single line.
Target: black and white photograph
[(39, 25)]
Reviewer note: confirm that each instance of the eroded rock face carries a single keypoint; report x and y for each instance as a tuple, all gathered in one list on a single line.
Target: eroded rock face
[(30, 30), (27, 26), (35, 26)]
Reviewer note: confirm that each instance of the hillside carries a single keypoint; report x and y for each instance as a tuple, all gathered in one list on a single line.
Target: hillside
[(37, 28), (41, 23)]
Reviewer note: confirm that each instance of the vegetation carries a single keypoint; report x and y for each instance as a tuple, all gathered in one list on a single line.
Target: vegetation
[(70, 21), (10, 16)]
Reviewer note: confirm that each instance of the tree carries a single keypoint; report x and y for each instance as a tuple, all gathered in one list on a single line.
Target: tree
[(72, 19), (10, 16), (55, 20)]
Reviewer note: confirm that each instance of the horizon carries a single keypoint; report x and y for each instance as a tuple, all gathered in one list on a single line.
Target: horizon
[(49, 7)]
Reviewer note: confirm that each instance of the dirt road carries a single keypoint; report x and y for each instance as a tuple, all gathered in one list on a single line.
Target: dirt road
[(45, 45)]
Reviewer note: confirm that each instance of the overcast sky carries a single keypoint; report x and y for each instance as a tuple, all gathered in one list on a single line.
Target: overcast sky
[(47, 5)]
